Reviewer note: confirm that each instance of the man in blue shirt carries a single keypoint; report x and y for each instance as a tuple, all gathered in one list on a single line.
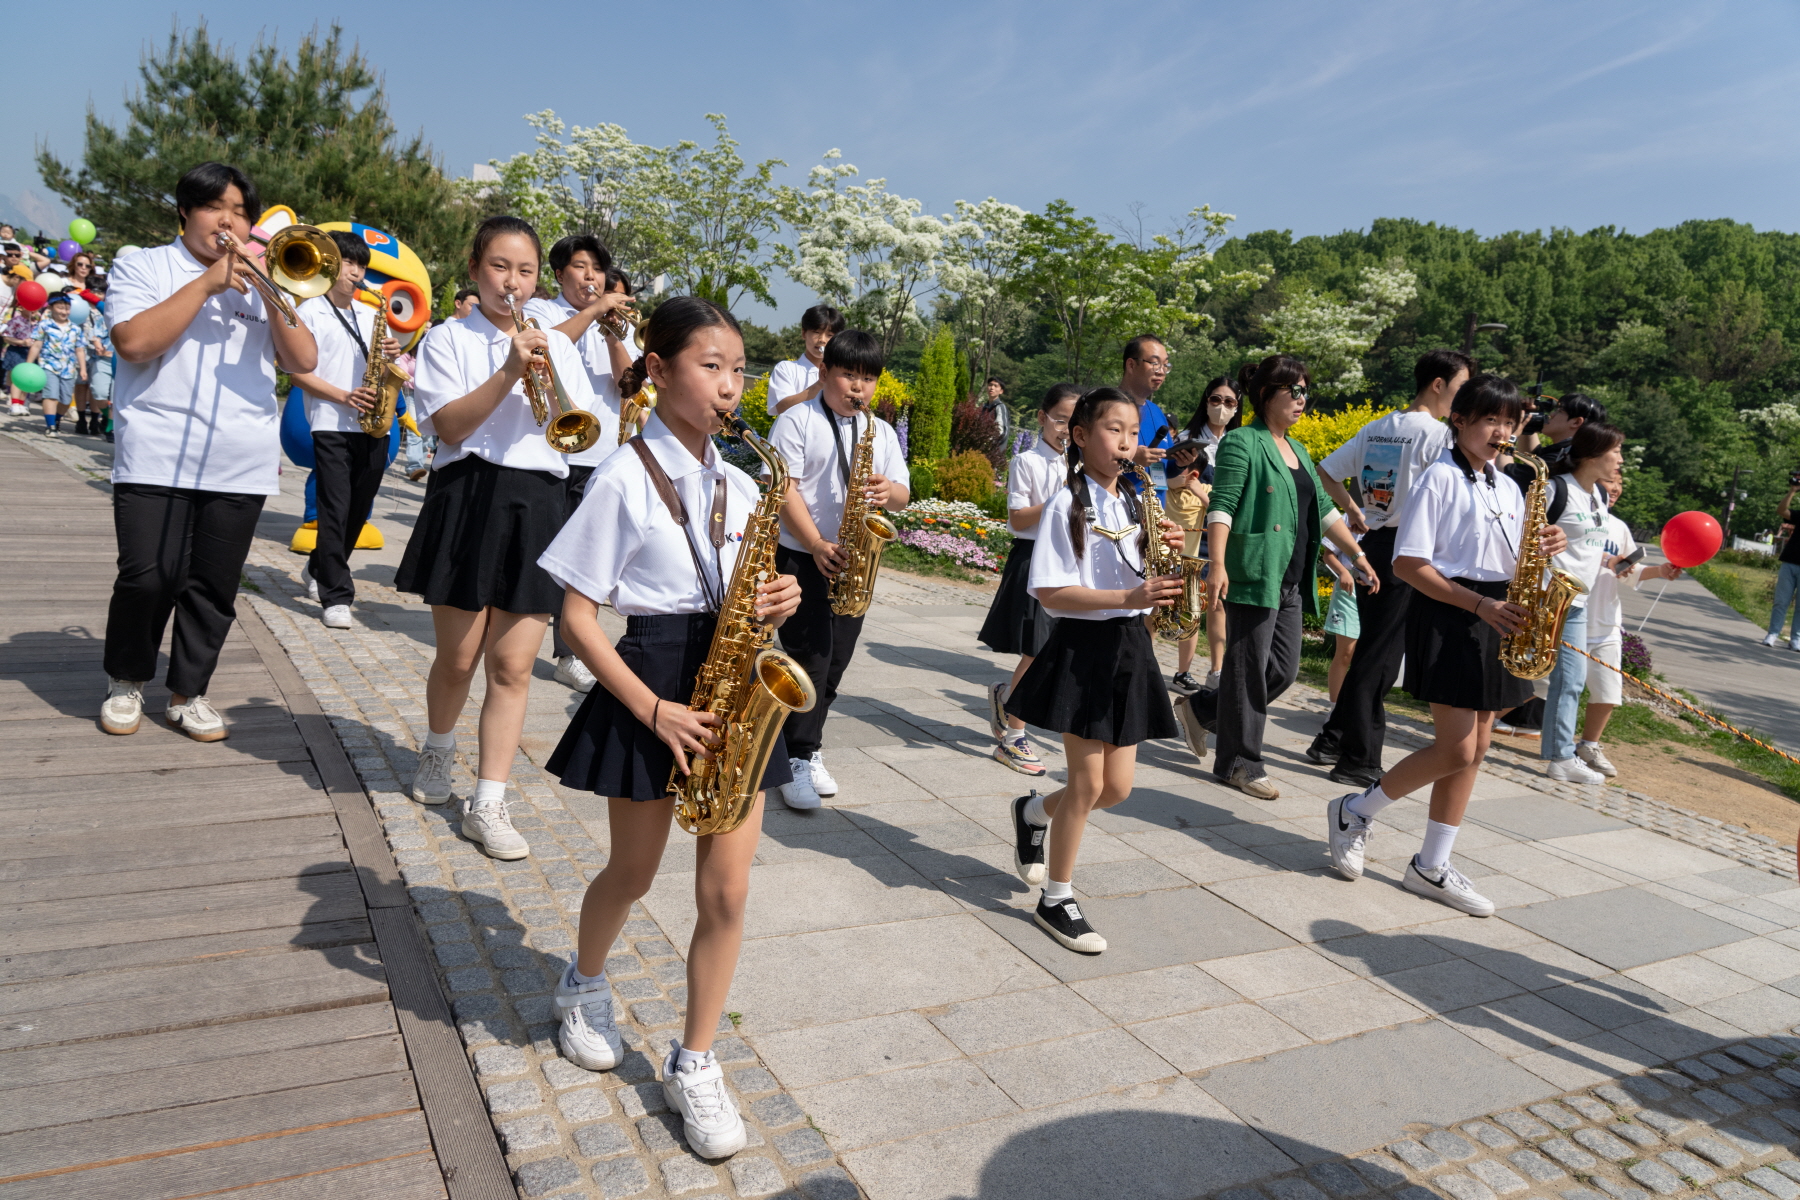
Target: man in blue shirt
[(1146, 367)]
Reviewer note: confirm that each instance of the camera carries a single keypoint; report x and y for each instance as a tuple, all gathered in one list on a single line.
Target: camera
[(1534, 424), (1794, 480)]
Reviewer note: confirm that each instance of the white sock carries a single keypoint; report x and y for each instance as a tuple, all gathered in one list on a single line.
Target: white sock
[(1370, 802), (1034, 812), (1438, 840), (440, 741), (687, 1059), (1585, 742), (488, 791), (577, 979), (1056, 893)]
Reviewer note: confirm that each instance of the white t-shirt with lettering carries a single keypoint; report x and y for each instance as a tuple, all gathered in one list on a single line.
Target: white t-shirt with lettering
[(1386, 457), (203, 413)]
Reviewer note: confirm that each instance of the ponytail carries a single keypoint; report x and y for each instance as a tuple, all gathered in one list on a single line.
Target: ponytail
[(1080, 500)]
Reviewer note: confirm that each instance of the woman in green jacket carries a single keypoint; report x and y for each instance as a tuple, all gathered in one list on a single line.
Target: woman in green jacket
[(1266, 518)]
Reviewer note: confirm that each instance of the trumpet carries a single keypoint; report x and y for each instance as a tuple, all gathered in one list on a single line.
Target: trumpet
[(570, 430), (619, 322), (303, 262)]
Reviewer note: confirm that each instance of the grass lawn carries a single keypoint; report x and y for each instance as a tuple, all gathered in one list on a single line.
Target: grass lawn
[(1640, 725), (1750, 590)]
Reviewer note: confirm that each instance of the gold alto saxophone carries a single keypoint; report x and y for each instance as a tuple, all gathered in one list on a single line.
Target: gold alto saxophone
[(1181, 620), (381, 376), (1538, 585), (750, 686), (864, 534), (635, 411), (570, 430)]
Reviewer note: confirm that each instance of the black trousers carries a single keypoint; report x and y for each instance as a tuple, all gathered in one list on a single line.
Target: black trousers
[(819, 641), (577, 481), (1358, 721), (348, 468), (181, 550), (1262, 660)]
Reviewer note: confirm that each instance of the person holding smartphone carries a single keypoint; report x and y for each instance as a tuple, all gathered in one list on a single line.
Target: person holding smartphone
[(1787, 583)]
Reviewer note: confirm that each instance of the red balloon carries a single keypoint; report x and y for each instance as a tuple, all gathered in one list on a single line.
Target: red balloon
[(31, 295), (1690, 538)]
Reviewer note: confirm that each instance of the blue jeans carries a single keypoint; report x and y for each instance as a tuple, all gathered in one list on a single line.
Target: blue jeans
[(1786, 584), (415, 452), (1563, 704)]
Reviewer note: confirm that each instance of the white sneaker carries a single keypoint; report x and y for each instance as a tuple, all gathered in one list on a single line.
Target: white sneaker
[(124, 706), (1347, 834), (800, 793), (312, 585), (709, 1119), (1591, 754), (822, 781), (337, 617), (1573, 770), (997, 710), (491, 828), (573, 673), (198, 719), (589, 1036), (431, 778), (1448, 886), (1212, 681), (1795, 644), (1774, 639)]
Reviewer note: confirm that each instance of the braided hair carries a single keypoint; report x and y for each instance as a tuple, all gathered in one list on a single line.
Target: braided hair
[(1089, 409)]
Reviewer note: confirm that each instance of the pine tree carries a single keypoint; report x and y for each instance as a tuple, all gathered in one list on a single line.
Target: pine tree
[(312, 131), (936, 396)]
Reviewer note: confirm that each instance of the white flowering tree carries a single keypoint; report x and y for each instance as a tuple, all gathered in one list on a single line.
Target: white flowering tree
[(868, 250), (979, 259), (1333, 335)]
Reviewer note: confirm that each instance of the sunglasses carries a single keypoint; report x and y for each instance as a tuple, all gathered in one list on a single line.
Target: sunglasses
[(1221, 401), (1298, 391)]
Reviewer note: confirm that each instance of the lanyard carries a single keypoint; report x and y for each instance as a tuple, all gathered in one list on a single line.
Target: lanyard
[(350, 328), (715, 595), (837, 443)]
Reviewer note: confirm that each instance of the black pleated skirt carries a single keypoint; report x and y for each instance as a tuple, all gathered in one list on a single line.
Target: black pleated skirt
[(479, 535), (1016, 623), (609, 752), (1098, 680), (1453, 657)]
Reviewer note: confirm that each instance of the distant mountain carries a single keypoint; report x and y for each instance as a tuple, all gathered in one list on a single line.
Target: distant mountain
[(33, 213)]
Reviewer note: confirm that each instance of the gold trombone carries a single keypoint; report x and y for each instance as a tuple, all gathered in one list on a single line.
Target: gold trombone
[(303, 262), (569, 430)]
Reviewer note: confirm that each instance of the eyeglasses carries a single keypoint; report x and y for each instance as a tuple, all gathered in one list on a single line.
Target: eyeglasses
[(1153, 365), (1057, 422)]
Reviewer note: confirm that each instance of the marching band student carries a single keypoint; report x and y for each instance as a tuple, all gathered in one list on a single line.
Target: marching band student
[(348, 462), (1016, 623), (582, 267), (626, 546), (496, 498), (819, 439), (1096, 681), (197, 446), (1457, 546), (797, 381)]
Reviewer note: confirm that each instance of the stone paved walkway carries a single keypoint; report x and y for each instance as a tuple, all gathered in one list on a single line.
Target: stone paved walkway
[(900, 1023)]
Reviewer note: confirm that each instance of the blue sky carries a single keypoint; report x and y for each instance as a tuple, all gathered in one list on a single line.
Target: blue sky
[(1315, 117)]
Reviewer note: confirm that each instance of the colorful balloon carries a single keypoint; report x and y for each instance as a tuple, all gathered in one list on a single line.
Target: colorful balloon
[(78, 311), (29, 377), (122, 251), (1690, 538), (67, 248), (31, 295), (82, 230)]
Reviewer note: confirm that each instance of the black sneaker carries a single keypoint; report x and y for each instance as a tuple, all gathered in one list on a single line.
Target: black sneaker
[(1362, 777), (1184, 681), (1028, 843), (1324, 749), (1064, 922)]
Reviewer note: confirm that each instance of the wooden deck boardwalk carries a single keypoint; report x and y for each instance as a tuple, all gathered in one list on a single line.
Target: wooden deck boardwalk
[(211, 983)]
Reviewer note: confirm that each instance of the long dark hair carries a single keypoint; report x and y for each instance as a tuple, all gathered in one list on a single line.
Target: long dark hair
[(1592, 440), (1089, 409), (670, 328), (1200, 421)]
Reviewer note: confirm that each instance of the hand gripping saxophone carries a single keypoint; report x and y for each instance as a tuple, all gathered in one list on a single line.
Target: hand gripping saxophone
[(1538, 585), (381, 376), (751, 687), (863, 534), (1180, 620)]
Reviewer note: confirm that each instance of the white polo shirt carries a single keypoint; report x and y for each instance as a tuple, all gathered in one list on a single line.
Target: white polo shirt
[(622, 547), (803, 435), (1103, 564), (1466, 528), (203, 413), (341, 360), (1031, 479), (459, 356), (788, 378), (597, 359)]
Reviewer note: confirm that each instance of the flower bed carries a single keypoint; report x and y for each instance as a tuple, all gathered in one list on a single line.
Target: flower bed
[(955, 531)]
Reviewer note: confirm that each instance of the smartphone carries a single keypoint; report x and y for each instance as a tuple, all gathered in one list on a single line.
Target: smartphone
[(1629, 561)]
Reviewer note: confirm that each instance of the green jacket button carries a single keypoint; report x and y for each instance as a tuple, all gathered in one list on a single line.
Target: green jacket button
[(1278, 529), (1270, 489)]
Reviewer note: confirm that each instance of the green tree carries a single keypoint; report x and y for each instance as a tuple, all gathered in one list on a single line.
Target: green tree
[(934, 396), (312, 131)]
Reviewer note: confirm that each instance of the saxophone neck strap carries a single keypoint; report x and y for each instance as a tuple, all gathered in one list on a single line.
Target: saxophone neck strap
[(715, 532), (350, 327), (837, 442), (1468, 470)]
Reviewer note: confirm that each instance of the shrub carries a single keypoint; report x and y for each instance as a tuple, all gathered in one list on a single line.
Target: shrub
[(968, 476), (973, 429), (1634, 657), (754, 407), (995, 504), (923, 482), (936, 396)]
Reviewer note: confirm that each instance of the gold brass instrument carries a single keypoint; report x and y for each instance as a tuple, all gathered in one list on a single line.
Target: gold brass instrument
[(864, 534), (633, 413), (751, 686), (303, 262), (568, 429), (1181, 620), (619, 322), (1538, 585), (381, 376)]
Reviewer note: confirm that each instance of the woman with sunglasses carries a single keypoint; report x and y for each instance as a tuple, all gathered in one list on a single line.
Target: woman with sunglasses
[(1190, 483), (1265, 520)]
